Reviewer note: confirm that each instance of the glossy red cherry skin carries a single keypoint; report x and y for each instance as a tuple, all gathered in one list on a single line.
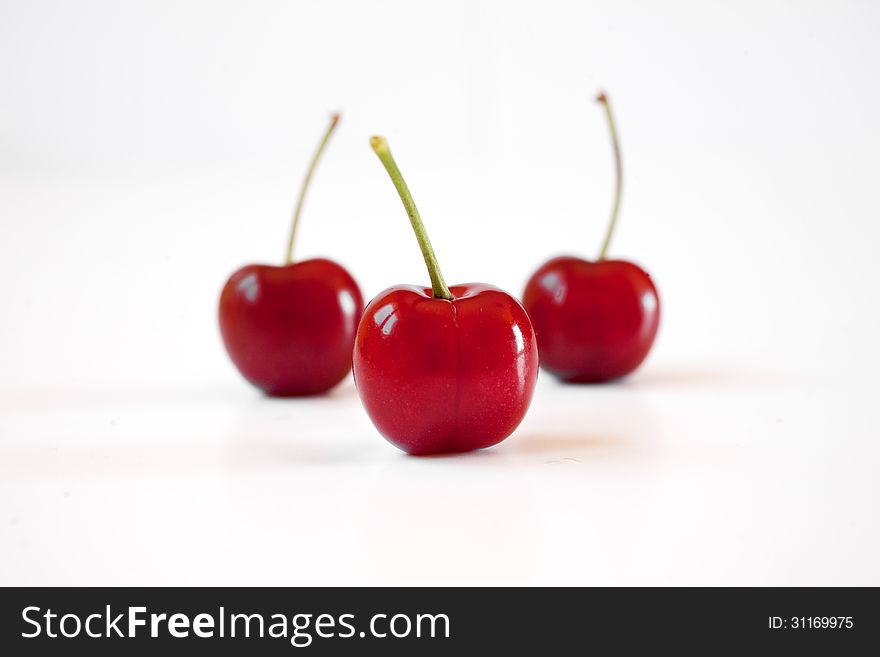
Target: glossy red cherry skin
[(595, 321), (438, 376), (290, 329)]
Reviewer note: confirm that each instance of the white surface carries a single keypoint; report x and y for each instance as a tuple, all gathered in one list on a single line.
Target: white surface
[(148, 149)]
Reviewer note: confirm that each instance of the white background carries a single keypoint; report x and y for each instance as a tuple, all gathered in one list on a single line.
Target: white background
[(148, 149)]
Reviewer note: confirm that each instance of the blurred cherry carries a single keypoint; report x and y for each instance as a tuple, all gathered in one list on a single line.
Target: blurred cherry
[(290, 329), (595, 320)]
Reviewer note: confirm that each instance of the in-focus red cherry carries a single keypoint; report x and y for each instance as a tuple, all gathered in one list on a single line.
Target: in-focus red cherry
[(443, 369), (441, 376), (290, 329), (595, 321)]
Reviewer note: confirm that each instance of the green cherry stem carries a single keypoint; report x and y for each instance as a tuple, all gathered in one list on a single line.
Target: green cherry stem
[(380, 146), (618, 167), (334, 120)]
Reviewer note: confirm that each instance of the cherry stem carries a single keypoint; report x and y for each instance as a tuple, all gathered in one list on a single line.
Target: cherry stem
[(334, 120), (380, 146), (618, 167)]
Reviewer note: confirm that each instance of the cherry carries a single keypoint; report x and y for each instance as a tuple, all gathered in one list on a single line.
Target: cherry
[(595, 321), (290, 329), (443, 369)]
